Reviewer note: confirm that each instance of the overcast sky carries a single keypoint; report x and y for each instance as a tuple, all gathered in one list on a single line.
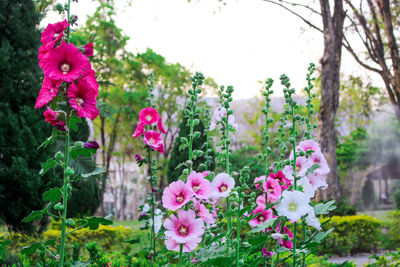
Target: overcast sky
[(240, 43)]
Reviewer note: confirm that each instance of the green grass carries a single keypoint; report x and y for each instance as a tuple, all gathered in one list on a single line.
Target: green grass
[(134, 225), (378, 214)]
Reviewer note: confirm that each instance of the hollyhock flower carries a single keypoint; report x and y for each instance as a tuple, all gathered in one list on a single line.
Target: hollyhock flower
[(260, 200), (176, 195), (92, 145), (153, 139), (293, 205), (285, 243), (51, 117), (222, 185), (158, 220), (138, 157), (200, 186), (218, 115), (317, 181), (53, 33), (138, 131), (184, 228), (263, 216), (82, 97), (318, 158), (309, 145), (148, 116), (146, 208), (308, 189), (43, 50), (88, 49), (312, 220), (273, 189), (64, 63), (257, 182), (205, 173), (302, 166), (48, 91), (267, 253), (188, 246), (281, 178), (277, 235), (203, 212)]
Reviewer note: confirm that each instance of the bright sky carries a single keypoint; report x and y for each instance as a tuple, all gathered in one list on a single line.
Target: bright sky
[(239, 44)]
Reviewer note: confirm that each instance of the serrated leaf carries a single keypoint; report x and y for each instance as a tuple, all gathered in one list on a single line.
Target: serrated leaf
[(49, 140), (29, 250), (53, 195), (36, 215), (264, 225), (73, 122), (318, 238), (93, 223), (81, 151), (182, 147), (312, 169), (324, 208), (95, 172), (46, 166)]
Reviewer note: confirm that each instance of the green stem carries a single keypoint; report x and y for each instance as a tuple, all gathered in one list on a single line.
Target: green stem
[(227, 171), (153, 238), (304, 238), (294, 178), (180, 254), (65, 191), (191, 139), (238, 233)]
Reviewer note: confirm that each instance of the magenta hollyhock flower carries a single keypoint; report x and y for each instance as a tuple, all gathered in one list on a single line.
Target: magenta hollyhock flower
[(139, 130), (200, 186), (48, 91), (188, 246), (318, 158), (92, 145), (281, 178), (222, 185), (258, 183), (203, 212), (176, 195), (263, 216), (302, 166), (138, 157), (64, 63), (273, 189), (82, 97), (148, 116), (51, 117), (43, 50), (266, 253), (317, 181), (153, 139), (285, 243), (53, 33), (88, 49), (185, 227)]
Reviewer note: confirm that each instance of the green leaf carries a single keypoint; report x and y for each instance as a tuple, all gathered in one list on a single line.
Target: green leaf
[(73, 122), (76, 151), (29, 250), (53, 195), (93, 223), (198, 153), (184, 140), (95, 172), (36, 215), (264, 225), (258, 240), (133, 241), (46, 166), (49, 140), (180, 165), (324, 208), (318, 238), (182, 147)]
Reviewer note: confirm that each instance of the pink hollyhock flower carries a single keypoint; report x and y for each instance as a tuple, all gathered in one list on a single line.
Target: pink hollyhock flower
[(138, 157), (139, 130), (281, 178), (318, 158), (153, 139), (203, 212), (48, 91), (43, 50), (263, 216), (260, 200), (258, 183), (82, 97), (266, 253), (205, 173), (176, 195), (53, 33), (302, 166), (317, 181), (285, 243), (51, 117), (200, 186), (188, 246), (148, 116), (64, 63), (222, 185), (273, 189), (184, 228), (309, 145), (88, 49)]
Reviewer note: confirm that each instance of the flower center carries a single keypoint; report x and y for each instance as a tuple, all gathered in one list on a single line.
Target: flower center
[(179, 199), (292, 207), (183, 230), (151, 141), (298, 168), (261, 218), (270, 190), (196, 188), (65, 68), (223, 188), (79, 101), (56, 35), (149, 117)]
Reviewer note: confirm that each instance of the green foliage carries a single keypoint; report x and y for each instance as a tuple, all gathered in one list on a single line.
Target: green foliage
[(389, 259), (352, 148), (181, 155), (352, 234), (22, 128), (392, 236), (344, 209), (396, 199), (247, 156)]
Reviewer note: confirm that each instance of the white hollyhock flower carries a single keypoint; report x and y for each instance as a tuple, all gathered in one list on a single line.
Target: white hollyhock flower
[(312, 220), (277, 236), (158, 220), (293, 205), (145, 208), (308, 189)]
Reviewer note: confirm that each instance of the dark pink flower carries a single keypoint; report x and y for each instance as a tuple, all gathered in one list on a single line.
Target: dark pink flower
[(258, 183), (48, 91), (285, 243), (266, 253), (189, 246), (53, 33), (176, 195), (185, 227), (273, 189), (203, 212), (263, 216), (148, 116), (88, 49), (92, 145), (82, 97), (281, 178), (153, 139), (138, 157), (200, 186), (64, 63), (51, 117), (139, 130)]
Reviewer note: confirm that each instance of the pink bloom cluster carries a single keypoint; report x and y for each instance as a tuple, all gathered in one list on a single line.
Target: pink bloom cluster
[(186, 229), (150, 116), (65, 67)]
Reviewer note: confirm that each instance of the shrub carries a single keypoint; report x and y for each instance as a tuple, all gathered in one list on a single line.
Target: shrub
[(396, 199), (391, 238), (352, 234), (344, 209), (388, 259)]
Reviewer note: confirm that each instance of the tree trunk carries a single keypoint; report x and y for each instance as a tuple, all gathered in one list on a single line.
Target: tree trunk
[(330, 75)]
